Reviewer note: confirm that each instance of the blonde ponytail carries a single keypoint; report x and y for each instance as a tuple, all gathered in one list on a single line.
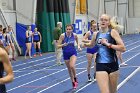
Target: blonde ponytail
[(114, 25)]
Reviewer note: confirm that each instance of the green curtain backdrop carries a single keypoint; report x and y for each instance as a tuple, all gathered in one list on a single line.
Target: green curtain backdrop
[(49, 12)]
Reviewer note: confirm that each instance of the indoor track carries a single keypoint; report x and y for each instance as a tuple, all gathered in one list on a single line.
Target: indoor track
[(42, 75)]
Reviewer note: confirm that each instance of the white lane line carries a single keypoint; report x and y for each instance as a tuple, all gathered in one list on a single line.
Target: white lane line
[(41, 78), (128, 78), (131, 43), (37, 71), (33, 61), (130, 67), (84, 86), (131, 49), (60, 82), (37, 60), (132, 57)]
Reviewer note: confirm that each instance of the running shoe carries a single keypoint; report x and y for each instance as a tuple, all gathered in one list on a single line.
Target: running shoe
[(89, 78), (75, 85), (123, 64)]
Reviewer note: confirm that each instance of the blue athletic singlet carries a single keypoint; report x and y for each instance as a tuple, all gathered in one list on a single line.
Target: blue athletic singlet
[(29, 39), (36, 36), (2, 39), (2, 86), (1, 36), (95, 48), (105, 54), (70, 49), (7, 40), (12, 39)]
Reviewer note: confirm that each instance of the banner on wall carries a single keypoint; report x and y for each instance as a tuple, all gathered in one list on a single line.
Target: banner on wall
[(78, 26)]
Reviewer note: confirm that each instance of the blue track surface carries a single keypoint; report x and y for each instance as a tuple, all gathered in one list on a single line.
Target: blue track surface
[(42, 75)]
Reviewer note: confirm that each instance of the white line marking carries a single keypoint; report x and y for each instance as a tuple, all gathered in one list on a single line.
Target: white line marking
[(36, 71), (128, 78), (60, 82), (130, 67), (41, 78)]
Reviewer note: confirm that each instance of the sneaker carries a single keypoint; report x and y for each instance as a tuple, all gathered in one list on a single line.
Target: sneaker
[(14, 59), (123, 64), (34, 55), (59, 63), (94, 77), (75, 85), (40, 54), (30, 57), (89, 78), (25, 57)]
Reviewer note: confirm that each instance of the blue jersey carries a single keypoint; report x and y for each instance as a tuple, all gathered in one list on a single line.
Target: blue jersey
[(91, 35), (11, 36), (1, 36), (2, 40), (7, 40), (105, 54), (29, 39), (70, 41), (95, 48), (36, 36)]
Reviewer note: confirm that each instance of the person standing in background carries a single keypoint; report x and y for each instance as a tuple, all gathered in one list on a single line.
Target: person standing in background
[(7, 39), (12, 42), (29, 41), (37, 40), (56, 34)]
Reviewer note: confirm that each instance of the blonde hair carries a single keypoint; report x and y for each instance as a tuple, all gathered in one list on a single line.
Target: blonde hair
[(114, 25)]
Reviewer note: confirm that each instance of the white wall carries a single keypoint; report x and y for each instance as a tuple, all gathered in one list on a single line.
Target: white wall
[(137, 8), (111, 8), (72, 10), (6, 4), (25, 11), (133, 25), (8, 12), (93, 9), (11, 18)]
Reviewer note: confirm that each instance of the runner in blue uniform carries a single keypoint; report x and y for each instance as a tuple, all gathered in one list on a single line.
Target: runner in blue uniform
[(66, 42), (108, 42), (37, 40), (91, 52)]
